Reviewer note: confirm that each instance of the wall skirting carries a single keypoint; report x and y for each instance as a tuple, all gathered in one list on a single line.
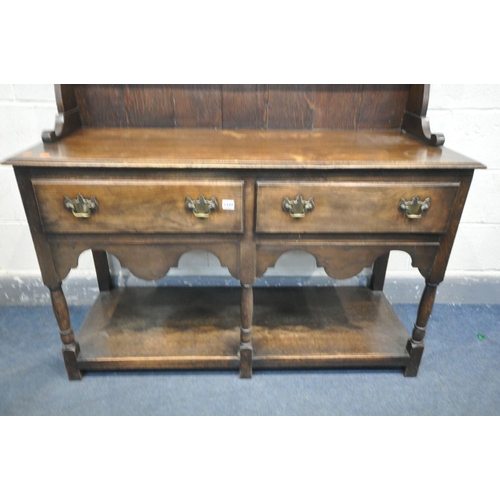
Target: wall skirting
[(82, 290)]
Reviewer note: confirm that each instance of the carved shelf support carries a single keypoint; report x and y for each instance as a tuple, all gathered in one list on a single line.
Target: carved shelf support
[(415, 122), (68, 120)]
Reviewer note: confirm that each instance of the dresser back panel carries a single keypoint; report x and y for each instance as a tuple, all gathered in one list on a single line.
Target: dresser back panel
[(263, 106)]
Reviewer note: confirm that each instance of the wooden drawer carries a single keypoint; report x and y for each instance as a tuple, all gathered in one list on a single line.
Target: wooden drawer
[(354, 207), (139, 206)]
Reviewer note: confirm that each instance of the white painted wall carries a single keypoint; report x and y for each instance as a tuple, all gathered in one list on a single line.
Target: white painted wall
[(468, 115)]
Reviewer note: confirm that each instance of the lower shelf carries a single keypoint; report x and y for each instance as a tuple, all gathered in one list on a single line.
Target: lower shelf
[(327, 327), (190, 328), (160, 328)]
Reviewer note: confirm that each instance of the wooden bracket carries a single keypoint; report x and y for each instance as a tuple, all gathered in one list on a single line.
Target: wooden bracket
[(68, 120), (415, 122)]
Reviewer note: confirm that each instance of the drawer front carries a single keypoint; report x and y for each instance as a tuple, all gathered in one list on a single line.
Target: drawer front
[(353, 207), (139, 206)]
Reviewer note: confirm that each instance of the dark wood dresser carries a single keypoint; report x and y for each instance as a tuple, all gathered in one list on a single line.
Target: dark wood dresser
[(246, 172)]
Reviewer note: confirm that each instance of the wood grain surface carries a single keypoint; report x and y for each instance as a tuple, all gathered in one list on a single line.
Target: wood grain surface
[(222, 149), (254, 106), (193, 328), (314, 327), (139, 206), (353, 207), (161, 328)]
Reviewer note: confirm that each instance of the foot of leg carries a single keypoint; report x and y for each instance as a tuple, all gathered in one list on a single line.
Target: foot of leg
[(415, 350), (246, 355), (70, 345), (71, 364)]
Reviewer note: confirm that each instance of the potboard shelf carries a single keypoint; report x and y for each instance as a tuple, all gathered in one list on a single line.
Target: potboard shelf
[(180, 328)]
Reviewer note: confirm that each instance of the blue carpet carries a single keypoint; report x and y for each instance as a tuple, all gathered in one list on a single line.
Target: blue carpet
[(459, 375)]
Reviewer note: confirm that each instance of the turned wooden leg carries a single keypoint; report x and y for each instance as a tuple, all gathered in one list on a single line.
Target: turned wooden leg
[(378, 273), (70, 345), (102, 270), (246, 350), (415, 345)]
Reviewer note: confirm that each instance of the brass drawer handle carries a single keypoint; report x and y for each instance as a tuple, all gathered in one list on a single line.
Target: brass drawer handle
[(202, 208), (81, 207), (297, 208), (415, 208)]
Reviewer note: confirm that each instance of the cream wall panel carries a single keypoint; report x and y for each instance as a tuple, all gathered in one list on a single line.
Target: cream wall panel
[(21, 125), (477, 248), (34, 92), (481, 202), (479, 96), (473, 133)]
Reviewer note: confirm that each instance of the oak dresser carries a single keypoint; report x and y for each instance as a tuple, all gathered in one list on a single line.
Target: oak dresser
[(146, 173)]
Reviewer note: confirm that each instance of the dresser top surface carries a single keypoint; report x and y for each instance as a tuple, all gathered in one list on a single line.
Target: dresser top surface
[(200, 148)]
